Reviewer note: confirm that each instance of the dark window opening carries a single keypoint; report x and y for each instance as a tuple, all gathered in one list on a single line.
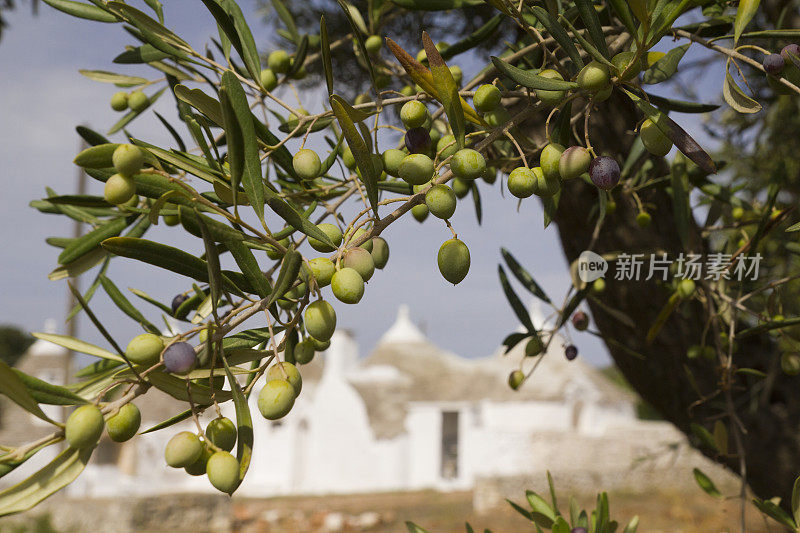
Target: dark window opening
[(449, 445)]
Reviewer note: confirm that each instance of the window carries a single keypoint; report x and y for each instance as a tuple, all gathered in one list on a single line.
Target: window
[(449, 445)]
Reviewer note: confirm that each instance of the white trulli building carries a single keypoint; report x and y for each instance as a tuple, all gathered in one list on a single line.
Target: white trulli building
[(408, 416)]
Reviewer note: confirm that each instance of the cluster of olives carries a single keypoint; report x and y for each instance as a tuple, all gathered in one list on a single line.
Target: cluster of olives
[(147, 349), (557, 163), (279, 62), (783, 65), (85, 425), (120, 187), (210, 456), (136, 101)]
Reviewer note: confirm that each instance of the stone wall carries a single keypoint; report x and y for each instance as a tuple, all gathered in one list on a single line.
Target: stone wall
[(627, 460), (184, 513)]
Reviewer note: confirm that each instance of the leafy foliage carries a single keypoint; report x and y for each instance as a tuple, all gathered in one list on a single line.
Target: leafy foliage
[(238, 187)]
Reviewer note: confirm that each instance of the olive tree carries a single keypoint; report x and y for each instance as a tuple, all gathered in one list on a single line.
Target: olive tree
[(562, 111)]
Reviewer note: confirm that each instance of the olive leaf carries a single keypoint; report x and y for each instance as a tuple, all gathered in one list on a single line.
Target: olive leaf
[(286, 16), (423, 77), (84, 11), (499, 5), (299, 57), (680, 106), (91, 241), (147, 53), (244, 423), (542, 513), (59, 473), (177, 388), (325, 48), (79, 266), (593, 51), (531, 80), (290, 268), (347, 116), (776, 513), (679, 178), (736, 98), (666, 67), (624, 14), (744, 14), (149, 299), (523, 276), (47, 393), (218, 231), (125, 305), (593, 27), (516, 304), (180, 417), (152, 31), (251, 176), (446, 88), (14, 388), (353, 16), (662, 317), (573, 304), (90, 136), (705, 483), (249, 266), (120, 80), (411, 526), (166, 257), (207, 105)]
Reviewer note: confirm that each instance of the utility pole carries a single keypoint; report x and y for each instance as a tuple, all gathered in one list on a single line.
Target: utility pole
[(72, 325)]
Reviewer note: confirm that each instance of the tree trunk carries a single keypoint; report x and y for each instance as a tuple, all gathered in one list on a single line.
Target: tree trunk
[(769, 409)]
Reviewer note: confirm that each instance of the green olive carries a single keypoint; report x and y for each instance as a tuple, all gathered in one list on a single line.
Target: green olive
[(320, 320), (222, 469), (441, 201), (279, 61), (468, 164), (486, 98), (453, 260), (348, 286), (416, 169), (334, 234), (84, 427), (119, 189), (183, 449), (288, 372), (268, 79), (124, 425), (119, 102), (276, 399)]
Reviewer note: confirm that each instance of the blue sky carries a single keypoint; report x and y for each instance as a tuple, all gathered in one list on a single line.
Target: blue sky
[(42, 99)]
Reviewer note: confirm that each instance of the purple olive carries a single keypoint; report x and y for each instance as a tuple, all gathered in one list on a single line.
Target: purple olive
[(580, 320), (418, 140), (604, 172), (578, 530), (178, 301), (570, 352), (791, 52), (774, 64), (179, 358)]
